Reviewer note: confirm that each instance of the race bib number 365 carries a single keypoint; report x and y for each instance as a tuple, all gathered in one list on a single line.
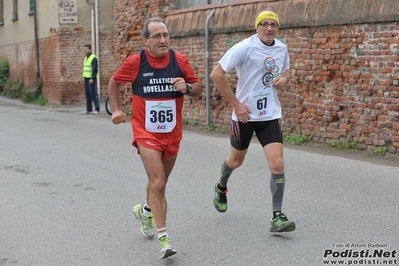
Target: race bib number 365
[(160, 116)]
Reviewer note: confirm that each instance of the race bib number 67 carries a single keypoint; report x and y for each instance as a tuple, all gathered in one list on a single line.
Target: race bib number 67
[(262, 103), (160, 116)]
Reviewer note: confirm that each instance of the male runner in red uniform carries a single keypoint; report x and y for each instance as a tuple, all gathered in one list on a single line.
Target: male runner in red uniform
[(160, 77)]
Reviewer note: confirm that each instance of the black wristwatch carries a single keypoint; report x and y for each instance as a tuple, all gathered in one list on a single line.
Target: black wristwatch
[(189, 88)]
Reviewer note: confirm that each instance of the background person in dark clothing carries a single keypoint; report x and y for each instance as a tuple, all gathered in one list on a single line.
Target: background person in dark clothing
[(90, 74)]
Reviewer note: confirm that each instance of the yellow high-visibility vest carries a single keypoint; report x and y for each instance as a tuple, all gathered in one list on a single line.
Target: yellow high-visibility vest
[(87, 67)]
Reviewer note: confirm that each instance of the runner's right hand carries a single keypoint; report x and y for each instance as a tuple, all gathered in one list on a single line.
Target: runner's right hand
[(118, 117)]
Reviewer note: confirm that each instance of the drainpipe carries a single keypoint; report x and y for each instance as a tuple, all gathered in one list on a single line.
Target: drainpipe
[(36, 40), (94, 37), (207, 64), (97, 49), (93, 42)]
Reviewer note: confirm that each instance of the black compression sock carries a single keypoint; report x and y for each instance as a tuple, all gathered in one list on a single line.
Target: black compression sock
[(222, 188)]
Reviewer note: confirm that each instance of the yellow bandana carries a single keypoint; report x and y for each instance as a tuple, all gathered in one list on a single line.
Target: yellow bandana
[(266, 15)]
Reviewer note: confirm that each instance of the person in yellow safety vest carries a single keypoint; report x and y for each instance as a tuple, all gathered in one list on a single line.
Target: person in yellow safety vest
[(90, 75)]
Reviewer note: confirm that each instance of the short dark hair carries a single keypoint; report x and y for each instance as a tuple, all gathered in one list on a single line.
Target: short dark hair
[(88, 46), (145, 33)]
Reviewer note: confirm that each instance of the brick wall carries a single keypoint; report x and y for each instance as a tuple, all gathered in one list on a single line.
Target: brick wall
[(64, 51), (128, 19), (61, 63), (345, 83), (22, 64), (344, 53)]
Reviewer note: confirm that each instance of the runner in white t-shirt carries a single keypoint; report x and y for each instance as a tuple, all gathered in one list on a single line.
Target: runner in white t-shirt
[(262, 65)]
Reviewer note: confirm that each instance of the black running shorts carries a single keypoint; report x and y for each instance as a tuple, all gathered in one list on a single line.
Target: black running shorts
[(266, 132)]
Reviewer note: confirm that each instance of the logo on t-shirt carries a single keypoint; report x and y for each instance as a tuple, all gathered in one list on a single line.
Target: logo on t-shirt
[(159, 85), (148, 74)]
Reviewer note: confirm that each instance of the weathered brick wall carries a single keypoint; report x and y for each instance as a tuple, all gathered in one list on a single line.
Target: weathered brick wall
[(345, 83), (129, 17), (343, 53), (22, 64), (64, 51), (61, 63), (50, 60)]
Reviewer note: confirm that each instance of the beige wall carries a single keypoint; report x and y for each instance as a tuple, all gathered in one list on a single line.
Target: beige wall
[(105, 16), (22, 30)]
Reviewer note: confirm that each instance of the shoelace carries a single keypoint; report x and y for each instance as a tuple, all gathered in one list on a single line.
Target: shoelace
[(164, 241), (222, 196), (148, 223), (282, 217)]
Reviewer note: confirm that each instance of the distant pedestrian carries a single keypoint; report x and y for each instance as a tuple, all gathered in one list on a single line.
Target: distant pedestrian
[(90, 75)]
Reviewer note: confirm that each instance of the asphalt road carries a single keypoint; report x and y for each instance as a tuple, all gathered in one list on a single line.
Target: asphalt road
[(68, 183)]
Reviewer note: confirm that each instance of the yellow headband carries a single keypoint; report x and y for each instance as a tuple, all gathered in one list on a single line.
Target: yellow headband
[(266, 15)]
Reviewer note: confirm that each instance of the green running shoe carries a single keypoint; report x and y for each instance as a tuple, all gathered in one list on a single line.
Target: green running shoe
[(146, 227), (167, 249), (281, 224), (220, 200)]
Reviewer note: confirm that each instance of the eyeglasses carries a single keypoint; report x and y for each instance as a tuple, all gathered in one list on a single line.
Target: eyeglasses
[(159, 36), (266, 25)]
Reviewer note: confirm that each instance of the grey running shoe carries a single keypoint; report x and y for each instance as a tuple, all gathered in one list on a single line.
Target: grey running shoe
[(167, 249), (146, 227), (220, 200)]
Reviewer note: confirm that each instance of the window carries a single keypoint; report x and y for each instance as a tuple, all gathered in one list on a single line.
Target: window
[(1, 13), (31, 7), (15, 10)]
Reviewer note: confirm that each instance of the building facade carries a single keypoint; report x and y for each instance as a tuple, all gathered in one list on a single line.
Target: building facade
[(49, 43)]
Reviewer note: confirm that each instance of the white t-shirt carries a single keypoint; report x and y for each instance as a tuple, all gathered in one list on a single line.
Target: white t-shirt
[(254, 88)]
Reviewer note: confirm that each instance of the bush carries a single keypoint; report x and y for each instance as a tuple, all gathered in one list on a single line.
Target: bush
[(41, 100), (4, 74), (12, 88), (32, 92)]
